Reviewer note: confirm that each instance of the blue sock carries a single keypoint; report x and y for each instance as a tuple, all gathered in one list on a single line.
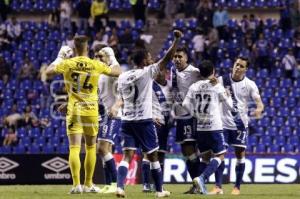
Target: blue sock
[(146, 171), (156, 175), (107, 175), (219, 174), (193, 164), (211, 167), (111, 167), (239, 170), (202, 167), (122, 173)]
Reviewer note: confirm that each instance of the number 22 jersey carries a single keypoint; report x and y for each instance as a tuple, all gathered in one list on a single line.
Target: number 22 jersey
[(81, 76), (204, 101)]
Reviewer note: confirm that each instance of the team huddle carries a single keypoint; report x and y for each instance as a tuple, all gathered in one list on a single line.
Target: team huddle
[(209, 113)]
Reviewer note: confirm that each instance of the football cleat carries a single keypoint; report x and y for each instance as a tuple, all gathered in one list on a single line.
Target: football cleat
[(76, 190), (162, 194), (216, 191), (199, 182), (120, 193), (193, 190), (235, 191), (111, 188), (91, 189)]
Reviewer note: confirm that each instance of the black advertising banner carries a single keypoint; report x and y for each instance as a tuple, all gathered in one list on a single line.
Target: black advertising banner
[(40, 169)]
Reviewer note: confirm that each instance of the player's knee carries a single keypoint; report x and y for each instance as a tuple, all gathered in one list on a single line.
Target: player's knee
[(240, 152), (153, 157)]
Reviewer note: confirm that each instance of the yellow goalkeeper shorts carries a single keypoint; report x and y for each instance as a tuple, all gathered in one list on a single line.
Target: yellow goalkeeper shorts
[(87, 125)]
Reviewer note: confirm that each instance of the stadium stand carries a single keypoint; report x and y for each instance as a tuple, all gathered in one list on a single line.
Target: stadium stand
[(277, 132)]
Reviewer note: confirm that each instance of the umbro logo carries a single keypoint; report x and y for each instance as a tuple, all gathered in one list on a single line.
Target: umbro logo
[(7, 164), (56, 164)]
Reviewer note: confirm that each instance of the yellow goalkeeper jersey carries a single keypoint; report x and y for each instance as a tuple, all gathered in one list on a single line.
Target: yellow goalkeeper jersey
[(81, 76)]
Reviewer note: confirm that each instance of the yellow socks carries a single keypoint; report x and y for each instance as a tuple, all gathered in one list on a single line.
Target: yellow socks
[(89, 164), (74, 162)]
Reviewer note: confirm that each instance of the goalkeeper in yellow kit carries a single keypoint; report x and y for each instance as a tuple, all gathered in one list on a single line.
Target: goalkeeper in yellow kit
[(81, 76)]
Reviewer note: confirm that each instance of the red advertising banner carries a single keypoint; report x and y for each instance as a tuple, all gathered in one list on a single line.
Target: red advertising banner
[(133, 175)]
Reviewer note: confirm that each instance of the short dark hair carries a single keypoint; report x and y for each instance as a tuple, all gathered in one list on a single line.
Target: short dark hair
[(139, 56), (182, 49), (246, 59), (79, 42), (206, 68)]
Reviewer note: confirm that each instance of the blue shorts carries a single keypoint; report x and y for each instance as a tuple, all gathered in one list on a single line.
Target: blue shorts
[(109, 129), (185, 130), (141, 134), (236, 138), (162, 134), (211, 141)]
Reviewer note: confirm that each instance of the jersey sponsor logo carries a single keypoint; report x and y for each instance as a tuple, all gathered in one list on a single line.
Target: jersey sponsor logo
[(56, 165), (7, 165)]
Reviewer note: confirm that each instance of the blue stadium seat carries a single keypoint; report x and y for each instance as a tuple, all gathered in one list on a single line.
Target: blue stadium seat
[(54, 141), (294, 140), (285, 131), (273, 149), (34, 149), (279, 140), (40, 141), (259, 148), (252, 140), (179, 24), (19, 149), (283, 112), (5, 149), (278, 122), (288, 148), (233, 3), (266, 140), (247, 3), (21, 132), (292, 122), (272, 131), (48, 149), (26, 141), (63, 149), (48, 132), (35, 132)]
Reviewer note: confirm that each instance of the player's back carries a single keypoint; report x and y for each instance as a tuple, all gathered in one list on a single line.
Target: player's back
[(81, 76), (135, 87), (207, 107)]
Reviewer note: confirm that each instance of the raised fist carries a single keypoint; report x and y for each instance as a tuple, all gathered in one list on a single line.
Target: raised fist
[(65, 52), (108, 51), (177, 34)]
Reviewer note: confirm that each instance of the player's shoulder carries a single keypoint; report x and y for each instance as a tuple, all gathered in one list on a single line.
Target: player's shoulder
[(249, 82), (191, 67)]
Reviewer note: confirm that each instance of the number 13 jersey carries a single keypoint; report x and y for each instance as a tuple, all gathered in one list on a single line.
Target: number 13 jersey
[(81, 76), (204, 100), (135, 88)]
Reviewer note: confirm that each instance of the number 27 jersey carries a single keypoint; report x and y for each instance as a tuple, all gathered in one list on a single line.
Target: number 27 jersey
[(81, 76)]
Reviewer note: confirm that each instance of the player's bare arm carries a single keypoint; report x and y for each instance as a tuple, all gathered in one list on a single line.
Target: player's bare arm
[(257, 113), (171, 51)]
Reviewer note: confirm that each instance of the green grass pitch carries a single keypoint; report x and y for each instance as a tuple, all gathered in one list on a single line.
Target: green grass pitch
[(258, 191)]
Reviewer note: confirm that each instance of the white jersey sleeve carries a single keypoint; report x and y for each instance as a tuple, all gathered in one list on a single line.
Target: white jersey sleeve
[(253, 90)]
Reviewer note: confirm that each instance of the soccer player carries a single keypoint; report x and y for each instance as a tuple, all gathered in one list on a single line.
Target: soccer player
[(203, 100), (110, 121), (81, 76), (137, 127), (162, 101), (183, 75), (235, 123)]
